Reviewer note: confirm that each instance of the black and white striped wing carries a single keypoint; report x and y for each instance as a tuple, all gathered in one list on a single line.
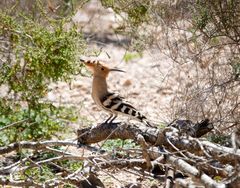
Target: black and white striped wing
[(117, 104)]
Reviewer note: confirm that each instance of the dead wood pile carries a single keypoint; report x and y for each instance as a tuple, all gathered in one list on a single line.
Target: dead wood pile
[(175, 156)]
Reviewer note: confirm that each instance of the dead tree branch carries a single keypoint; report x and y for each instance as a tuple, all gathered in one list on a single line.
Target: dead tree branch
[(34, 145), (193, 149)]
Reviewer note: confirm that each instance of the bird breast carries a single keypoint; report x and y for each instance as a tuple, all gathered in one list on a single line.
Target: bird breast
[(99, 90)]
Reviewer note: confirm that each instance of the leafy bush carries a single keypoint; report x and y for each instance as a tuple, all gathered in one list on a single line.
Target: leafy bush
[(112, 144), (33, 55), (137, 11)]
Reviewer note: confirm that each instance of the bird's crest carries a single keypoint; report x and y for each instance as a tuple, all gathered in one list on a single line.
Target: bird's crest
[(99, 68)]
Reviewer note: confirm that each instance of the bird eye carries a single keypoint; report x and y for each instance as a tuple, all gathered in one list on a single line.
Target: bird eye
[(102, 68)]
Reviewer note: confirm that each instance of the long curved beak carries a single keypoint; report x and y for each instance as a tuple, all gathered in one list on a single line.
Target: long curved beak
[(117, 70)]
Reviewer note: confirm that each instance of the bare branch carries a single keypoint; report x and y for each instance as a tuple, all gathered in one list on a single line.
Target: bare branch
[(35, 145), (189, 169), (144, 146), (169, 178), (157, 137), (25, 183), (13, 124)]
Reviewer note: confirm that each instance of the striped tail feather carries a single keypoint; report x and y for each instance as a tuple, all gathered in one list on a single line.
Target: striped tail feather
[(118, 105)]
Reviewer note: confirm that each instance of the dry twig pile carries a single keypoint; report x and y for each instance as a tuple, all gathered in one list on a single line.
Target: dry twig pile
[(173, 156)]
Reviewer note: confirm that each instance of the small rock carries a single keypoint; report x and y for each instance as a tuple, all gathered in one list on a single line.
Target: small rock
[(127, 83)]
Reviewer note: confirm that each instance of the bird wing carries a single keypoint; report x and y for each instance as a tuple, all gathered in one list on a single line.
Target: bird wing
[(115, 102)]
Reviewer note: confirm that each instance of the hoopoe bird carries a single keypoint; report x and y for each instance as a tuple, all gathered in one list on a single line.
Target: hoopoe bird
[(112, 103)]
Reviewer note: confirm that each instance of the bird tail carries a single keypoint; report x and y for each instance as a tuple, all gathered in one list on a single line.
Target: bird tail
[(140, 117)]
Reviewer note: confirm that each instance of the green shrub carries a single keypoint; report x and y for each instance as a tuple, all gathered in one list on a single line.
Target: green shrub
[(34, 55)]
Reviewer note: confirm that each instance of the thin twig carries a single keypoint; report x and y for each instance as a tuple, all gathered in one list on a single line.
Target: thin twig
[(14, 124)]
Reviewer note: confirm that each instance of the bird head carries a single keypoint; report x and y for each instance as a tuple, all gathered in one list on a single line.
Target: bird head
[(98, 68)]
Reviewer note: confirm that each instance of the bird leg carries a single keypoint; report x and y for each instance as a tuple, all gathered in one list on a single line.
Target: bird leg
[(114, 117), (110, 117)]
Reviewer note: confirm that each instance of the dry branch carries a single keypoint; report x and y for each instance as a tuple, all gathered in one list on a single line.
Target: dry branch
[(25, 183), (92, 180), (123, 163), (190, 170), (144, 146), (13, 124), (124, 131), (156, 137), (223, 154), (7, 172), (185, 183), (176, 145), (166, 147), (169, 178), (34, 145)]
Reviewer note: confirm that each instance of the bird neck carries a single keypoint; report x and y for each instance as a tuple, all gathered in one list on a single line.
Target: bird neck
[(99, 86)]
